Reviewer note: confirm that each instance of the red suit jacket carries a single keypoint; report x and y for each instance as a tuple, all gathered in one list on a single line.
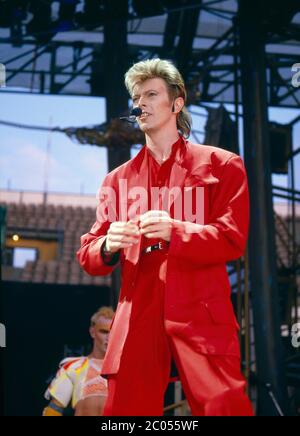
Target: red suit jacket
[(197, 297)]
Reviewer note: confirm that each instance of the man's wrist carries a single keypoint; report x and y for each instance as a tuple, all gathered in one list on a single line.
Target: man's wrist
[(108, 257), (106, 251)]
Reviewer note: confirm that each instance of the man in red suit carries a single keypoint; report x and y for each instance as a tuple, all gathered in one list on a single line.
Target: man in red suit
[(173, 216)]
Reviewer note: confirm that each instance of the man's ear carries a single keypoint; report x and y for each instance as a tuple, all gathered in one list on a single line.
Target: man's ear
[(178, 105), (92, 332)]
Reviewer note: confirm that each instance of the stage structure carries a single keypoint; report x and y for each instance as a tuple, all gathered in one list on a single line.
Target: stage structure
[(238, 52)]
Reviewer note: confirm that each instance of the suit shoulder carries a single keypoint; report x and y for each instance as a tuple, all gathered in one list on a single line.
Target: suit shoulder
[(210, 153), (119, 171), (71, 362)]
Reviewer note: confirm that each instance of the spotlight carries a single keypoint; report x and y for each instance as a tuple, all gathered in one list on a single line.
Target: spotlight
[(5, 13), (66, 17), (281, 141), (144, 8), (92, 15), (41, 24), (220, 130)]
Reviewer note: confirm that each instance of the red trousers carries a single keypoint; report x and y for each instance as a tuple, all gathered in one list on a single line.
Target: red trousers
[(213, 385)]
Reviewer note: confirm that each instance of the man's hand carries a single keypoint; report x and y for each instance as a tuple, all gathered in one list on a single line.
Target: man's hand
[(156, 224), (121, 235)]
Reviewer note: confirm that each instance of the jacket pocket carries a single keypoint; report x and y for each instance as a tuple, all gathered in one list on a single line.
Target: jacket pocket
[(221, 312)]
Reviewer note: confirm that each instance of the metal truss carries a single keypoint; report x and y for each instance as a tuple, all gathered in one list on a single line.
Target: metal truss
[(209, 62)]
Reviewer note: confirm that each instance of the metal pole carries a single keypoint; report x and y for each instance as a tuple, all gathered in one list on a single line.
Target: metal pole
[(2, 350), (116, 63), (263, 274), (247, 321), (294, 244)]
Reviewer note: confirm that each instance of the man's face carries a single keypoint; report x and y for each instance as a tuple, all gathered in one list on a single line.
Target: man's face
[(100, 333), (153, 98)]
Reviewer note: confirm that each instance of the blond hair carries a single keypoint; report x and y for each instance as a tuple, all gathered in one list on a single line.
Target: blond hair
[(106, 312), (165, 70)]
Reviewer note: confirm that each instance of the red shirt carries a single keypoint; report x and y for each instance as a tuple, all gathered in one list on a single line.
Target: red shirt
[(159, 176), (151, 278)]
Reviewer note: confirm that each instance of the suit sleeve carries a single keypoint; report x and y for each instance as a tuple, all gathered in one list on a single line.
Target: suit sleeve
[(61, 388), (224, 238), (89, 254)]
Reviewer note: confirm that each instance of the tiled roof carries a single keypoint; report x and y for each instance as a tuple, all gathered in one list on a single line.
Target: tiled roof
[(69, 223)]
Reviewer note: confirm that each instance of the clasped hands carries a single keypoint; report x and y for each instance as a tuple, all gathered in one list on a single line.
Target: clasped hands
[(152, 224)]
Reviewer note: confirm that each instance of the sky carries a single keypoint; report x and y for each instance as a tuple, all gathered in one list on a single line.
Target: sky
[(23, 153), (71, 167)]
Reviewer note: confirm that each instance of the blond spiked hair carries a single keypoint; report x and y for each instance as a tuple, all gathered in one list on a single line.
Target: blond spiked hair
[(106, 312), (165, 70)]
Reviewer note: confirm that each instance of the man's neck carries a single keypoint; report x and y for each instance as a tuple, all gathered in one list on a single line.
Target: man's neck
[(96, 354), (160, 144)]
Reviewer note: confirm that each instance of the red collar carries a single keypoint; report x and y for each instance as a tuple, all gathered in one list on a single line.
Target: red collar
[(179, 148)]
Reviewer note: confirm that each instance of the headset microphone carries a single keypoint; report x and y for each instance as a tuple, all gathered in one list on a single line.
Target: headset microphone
[(134, 113)]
